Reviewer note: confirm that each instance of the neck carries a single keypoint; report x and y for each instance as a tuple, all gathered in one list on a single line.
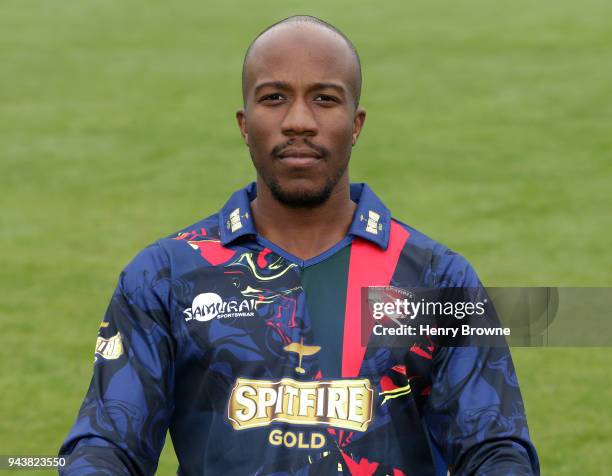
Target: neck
[(303, 232)]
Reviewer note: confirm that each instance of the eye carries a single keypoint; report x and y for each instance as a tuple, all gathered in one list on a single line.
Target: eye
[(272, 97), (325, 98)]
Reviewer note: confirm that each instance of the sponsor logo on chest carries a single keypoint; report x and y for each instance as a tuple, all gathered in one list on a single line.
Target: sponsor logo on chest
[(208, 306), (344, 404)]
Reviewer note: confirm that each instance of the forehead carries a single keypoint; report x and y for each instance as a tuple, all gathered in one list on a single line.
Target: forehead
[(300, 54)]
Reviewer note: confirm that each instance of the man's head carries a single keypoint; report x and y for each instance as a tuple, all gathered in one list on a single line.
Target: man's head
[(301, 83)]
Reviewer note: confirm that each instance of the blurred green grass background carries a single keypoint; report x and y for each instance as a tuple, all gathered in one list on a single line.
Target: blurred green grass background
[(489, 128)]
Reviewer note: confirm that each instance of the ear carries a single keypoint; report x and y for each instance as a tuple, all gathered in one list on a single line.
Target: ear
[(241, 118), (360, 116)]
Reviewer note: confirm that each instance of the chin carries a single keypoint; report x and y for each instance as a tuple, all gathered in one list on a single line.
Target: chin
[(301, 196)]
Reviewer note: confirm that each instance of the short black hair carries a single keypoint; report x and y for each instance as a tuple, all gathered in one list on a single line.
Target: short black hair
[(305, 19)]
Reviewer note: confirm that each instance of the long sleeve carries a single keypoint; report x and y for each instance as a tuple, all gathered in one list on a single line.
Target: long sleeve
[(475, 412), (122, 423)]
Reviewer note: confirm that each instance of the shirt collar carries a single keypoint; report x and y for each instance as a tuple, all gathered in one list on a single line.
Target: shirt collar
[(372, 219)]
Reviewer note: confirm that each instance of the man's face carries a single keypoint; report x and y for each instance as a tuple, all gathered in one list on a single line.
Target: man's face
[(300, 120)]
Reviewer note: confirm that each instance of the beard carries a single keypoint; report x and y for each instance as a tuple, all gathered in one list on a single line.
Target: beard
[(302, 197)]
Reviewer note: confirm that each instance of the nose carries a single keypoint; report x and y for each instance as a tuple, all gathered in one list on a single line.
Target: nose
[(299, 120)]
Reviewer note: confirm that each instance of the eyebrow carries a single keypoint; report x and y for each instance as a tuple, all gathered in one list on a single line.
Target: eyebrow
[(286, 86)]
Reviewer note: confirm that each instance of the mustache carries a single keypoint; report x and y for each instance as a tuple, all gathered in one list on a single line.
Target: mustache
[(319, 149)]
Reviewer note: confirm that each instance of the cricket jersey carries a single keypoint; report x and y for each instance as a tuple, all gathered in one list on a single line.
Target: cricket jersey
[(255, 362)]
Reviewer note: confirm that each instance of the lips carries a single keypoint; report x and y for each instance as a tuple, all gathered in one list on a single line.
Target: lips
[(299, 154), (299, 158)]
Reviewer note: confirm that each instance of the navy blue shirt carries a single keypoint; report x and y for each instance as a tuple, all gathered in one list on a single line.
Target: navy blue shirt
[(253, 359)]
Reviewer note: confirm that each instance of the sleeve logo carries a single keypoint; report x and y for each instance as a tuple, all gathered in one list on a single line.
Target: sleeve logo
[(111, 348)]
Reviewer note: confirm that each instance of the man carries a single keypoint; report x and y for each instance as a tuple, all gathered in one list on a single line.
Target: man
[(241, 333)]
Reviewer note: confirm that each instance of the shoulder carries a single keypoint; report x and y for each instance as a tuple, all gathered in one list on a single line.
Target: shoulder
[(435, 263), (207, 228), (151, 269), (179, 245)]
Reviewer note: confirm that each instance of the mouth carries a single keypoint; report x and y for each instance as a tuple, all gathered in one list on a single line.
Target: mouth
[(299, 157)]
